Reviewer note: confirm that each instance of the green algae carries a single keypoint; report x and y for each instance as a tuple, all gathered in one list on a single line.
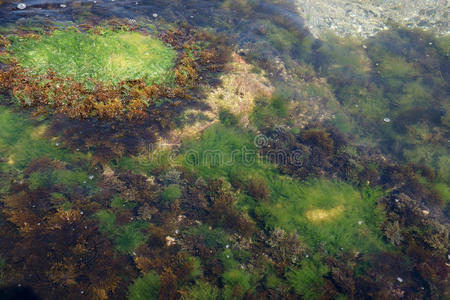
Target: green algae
[(211, 238), (327, 213), (201, 291), (145, 287), (322, 212), (330, 217), (109, 57), (236, 280), (269, 112), (126, 237), (308, 280), (391, 89), (171, 193), (23, 140)]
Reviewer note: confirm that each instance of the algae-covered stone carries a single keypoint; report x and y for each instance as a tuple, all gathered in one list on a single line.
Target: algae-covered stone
[(109, 57)]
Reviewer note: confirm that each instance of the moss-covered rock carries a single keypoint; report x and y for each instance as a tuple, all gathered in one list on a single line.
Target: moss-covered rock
[(109, 57)]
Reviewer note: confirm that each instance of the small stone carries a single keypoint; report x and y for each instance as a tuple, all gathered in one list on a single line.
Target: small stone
[(399, 279), (21, 6), (386, 120), (155, 15), (170, 241)]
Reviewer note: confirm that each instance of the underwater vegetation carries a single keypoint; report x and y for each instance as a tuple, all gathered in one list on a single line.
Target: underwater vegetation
[(266, 210), (147, 67), (145, 287), (108, 57), (393, 85), (111, 117)]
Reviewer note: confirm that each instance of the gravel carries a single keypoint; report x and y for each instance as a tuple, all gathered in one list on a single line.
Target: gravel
[(364, 18)]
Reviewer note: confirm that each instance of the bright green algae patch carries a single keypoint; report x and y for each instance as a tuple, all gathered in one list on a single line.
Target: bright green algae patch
[(110, 57)]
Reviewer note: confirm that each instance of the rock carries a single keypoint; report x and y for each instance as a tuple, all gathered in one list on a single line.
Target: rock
[(170, 241)]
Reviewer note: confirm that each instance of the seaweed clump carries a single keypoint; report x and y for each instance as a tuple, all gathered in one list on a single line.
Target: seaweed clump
[(149, 67)]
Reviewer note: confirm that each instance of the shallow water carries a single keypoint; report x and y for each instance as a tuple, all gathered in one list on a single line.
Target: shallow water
[(267, 163)]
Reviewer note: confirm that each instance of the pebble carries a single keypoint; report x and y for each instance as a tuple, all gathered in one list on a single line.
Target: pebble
[(386, 120), (21, 6)]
